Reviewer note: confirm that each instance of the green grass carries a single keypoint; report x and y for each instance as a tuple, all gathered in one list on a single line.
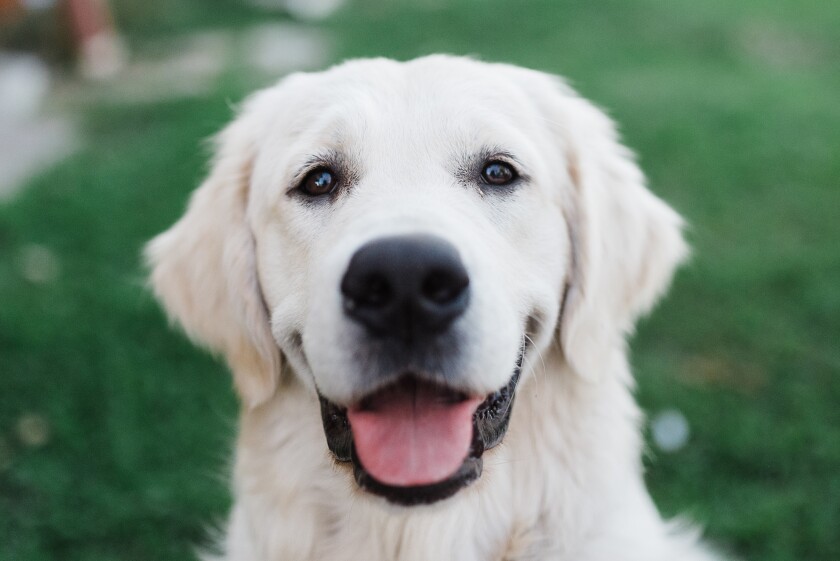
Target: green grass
[(147, 19), (733, 109)]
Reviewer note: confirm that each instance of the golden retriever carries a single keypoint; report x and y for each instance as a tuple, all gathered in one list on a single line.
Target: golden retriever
[(422, 275)]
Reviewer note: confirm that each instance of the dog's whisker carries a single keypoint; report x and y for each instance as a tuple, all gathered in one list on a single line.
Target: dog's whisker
[(501, 462), (538, 372)]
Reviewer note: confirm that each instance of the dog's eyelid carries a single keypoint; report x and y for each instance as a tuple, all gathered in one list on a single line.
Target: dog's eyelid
[(333, 163), (498, 154), (504, 157), (471, 171), (302, 172), (518, 169), (311, 164), (521, 169)]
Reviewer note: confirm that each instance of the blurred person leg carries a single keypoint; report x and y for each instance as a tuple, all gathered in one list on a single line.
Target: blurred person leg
[(101, 52), (10, 11)]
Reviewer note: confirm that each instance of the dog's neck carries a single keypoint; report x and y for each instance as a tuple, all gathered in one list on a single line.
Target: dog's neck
[(538, 493)]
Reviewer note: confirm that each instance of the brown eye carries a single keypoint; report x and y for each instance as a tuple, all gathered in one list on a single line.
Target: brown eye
[(497, 173), (320, 181)]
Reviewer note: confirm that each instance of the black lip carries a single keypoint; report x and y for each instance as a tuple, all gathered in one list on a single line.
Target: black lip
[(490, 423), (469, 471)]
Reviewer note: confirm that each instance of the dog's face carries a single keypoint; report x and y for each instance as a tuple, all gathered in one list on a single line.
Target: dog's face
[(397, 236)]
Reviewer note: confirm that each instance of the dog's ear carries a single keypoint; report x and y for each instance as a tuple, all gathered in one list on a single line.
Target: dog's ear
[(625, 242), (203, 268)]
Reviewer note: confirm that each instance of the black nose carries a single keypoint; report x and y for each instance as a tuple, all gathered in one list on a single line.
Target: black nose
[(409, 287)]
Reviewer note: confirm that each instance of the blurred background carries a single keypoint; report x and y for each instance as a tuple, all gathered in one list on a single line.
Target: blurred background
[(115, 431)]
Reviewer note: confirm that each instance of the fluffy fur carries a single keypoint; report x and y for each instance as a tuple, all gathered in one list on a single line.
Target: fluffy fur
[(571, 257)]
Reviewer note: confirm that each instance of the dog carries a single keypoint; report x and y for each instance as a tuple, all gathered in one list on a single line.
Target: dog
[(422, 275)]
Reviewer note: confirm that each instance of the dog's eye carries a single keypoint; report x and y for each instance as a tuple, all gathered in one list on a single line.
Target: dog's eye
[(497, 173), (320, 181)]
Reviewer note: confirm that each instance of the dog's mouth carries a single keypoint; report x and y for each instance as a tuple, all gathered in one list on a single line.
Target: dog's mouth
[(415, 442)]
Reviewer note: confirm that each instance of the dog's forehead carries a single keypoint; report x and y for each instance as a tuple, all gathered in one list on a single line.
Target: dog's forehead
[(438, 81), (438, 97)]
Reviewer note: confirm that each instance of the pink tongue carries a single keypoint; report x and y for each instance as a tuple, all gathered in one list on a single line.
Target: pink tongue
[(412, 436)]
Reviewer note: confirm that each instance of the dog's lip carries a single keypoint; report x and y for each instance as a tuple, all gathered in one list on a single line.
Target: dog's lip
[(490, 422)]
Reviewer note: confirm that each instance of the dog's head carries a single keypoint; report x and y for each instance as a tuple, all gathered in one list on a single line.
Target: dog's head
[(396, 236)]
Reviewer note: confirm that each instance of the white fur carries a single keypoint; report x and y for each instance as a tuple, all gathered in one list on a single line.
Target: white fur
[(582, 248)]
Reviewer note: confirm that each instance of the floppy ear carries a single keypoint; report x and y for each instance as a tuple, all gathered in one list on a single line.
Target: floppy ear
[(203, 268), (626, 242)]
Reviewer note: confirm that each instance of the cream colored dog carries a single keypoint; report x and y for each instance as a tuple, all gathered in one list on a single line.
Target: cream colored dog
[(422, 275)]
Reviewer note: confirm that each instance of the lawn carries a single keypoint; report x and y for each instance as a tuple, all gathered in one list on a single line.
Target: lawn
[(114, 431)]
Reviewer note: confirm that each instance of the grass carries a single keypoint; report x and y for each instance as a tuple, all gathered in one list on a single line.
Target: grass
[(733, 110)]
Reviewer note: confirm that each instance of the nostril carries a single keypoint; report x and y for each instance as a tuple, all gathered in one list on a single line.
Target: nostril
[(377, 292), (373, 290), (442, 287)]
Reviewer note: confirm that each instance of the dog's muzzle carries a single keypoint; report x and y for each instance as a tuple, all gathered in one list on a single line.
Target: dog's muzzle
[(413, 438), (488, 424)]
